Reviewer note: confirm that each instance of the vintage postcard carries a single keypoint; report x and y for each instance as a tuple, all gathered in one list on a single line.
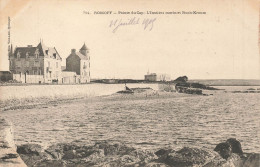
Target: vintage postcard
[(171, 83)]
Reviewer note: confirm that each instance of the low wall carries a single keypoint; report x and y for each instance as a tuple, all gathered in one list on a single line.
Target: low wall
[(8, 154)]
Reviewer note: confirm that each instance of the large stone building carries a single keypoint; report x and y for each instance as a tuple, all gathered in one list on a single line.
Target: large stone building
[(150, 77), (157, 77), (79, 62), (45, 62)]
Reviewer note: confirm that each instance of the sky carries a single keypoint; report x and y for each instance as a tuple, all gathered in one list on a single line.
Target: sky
[(221, 44)]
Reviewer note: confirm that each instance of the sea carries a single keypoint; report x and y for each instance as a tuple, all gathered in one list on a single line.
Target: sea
[(146, 123)]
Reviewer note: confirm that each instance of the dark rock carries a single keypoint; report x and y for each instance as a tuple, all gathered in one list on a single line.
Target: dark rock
[(118, 154), (224, 150), (70, 154), (9, 156), (235, 146), (29, 149), (181, 79), (189, 157), (51, 163), (154, 164), (31, 153), (188, 90), (30, 159), (230, 146), (114, 149), (163, 152), (126, 160)]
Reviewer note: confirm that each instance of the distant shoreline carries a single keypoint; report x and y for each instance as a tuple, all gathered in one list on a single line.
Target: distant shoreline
[(211, 82)]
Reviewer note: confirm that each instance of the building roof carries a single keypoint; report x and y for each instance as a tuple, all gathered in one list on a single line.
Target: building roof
[(44, 51), (84, 47), (24, 50), (49, 51), (81, 56)]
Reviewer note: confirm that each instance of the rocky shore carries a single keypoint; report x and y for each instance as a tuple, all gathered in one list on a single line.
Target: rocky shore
[(227, 154), (112, 154)]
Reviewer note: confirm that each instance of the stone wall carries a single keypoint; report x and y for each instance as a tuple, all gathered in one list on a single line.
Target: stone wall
[(28, 78)]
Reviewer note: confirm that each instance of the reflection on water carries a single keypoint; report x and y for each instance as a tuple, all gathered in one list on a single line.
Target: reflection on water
[(147, 123)]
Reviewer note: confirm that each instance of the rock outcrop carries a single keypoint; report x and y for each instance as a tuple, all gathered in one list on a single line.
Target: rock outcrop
[(8, 154), (118, 154), (232, 150), (226, 154), (100, 154)]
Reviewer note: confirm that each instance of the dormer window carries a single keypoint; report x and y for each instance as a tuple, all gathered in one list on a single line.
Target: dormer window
[(27, 55), (54, 55), (46, 51), (19, 55), (37, 53)]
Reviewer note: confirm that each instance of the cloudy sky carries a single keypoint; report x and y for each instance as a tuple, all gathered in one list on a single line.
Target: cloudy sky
[(221, 44)]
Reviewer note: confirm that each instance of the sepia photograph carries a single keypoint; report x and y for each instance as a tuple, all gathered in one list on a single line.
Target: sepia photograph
[(133, 83)]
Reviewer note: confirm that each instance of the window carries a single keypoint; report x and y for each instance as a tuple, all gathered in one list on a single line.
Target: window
[(18, 55), (36, 63), (37, 53), (84, 66), (27, 55), (18, 63), (57, 64), (27, 64)]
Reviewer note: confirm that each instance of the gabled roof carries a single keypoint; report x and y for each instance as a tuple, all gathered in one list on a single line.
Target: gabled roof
[(50, 51), (79, 55), (42, 49)]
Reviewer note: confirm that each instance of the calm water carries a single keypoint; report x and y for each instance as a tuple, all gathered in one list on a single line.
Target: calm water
[(146, 123)]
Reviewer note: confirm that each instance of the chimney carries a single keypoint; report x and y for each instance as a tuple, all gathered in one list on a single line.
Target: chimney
[(73, 50)]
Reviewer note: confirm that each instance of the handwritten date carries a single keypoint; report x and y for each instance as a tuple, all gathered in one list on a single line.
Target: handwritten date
[(147, 24)]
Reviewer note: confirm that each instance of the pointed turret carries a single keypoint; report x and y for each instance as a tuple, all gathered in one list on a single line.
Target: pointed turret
[(84, 50)]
